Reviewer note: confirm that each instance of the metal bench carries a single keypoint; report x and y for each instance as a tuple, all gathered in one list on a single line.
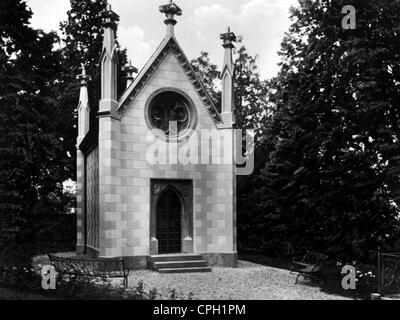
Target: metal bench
[(309, 265), (103, 267), (389, 275)]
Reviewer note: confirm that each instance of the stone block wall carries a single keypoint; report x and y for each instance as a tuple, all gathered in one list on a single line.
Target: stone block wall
[(125, 177)]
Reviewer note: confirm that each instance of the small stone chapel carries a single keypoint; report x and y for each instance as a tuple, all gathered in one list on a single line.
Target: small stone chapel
[(182, 215)]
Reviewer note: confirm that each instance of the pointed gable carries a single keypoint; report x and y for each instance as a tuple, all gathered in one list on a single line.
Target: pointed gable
[(167, 46)]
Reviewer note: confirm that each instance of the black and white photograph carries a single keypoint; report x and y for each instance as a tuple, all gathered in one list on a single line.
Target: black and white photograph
[(181, 151)]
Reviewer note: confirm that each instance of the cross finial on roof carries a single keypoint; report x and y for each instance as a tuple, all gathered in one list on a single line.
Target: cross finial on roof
[(130, 70)]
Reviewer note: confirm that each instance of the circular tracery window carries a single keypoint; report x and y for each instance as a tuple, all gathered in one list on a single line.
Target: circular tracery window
[(169, 112)]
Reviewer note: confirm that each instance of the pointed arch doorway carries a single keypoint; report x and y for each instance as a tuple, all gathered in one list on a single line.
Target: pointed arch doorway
[(168, 222), (171, 218)]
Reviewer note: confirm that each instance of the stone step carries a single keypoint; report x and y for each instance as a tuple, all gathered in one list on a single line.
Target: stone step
[(185, 270), (175, 257), (179, 264), (175, 263)]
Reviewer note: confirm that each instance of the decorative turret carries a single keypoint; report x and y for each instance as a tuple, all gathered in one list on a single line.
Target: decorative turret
[(83, 105), (170, 10), (130, 70), (109, 64), (228, 116)]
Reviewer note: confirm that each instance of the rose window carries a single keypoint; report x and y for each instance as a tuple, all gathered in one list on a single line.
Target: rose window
[(166, 108)]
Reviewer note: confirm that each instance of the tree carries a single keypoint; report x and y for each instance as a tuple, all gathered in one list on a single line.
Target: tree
[(209, 74), (30, 145), (331, 182), (251, 92)]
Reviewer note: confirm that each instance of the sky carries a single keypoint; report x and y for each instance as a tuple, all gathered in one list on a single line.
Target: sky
[(262, 23)]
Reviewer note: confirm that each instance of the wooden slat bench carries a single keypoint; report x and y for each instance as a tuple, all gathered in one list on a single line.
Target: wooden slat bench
[(102, 268), (309, 265)]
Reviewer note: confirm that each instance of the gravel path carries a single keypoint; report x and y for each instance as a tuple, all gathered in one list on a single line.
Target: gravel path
[(247, 282)]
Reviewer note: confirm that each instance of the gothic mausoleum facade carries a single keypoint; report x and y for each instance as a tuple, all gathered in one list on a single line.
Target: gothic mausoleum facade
[(133, 205)]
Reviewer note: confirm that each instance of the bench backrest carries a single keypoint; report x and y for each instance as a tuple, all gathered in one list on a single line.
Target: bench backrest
[(90, 267), (315, 258)]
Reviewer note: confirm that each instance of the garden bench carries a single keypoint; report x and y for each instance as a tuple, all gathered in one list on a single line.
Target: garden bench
[(102, 268), (309, 265), (389, 275)]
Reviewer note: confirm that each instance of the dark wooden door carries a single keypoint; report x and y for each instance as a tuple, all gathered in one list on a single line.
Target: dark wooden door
[(168, 223)]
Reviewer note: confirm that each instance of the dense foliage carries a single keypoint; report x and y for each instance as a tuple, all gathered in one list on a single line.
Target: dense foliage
[(332, 177), (33, 163)]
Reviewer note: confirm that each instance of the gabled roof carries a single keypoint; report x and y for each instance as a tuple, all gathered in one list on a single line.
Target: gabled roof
[(169, 44)]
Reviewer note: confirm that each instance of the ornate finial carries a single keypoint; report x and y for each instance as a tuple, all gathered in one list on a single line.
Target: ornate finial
[(170, 10), (228, 38), (83, 77), (110, 18), (130, 70)]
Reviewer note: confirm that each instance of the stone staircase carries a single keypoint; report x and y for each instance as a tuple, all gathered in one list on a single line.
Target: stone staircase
[(178, 263)]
